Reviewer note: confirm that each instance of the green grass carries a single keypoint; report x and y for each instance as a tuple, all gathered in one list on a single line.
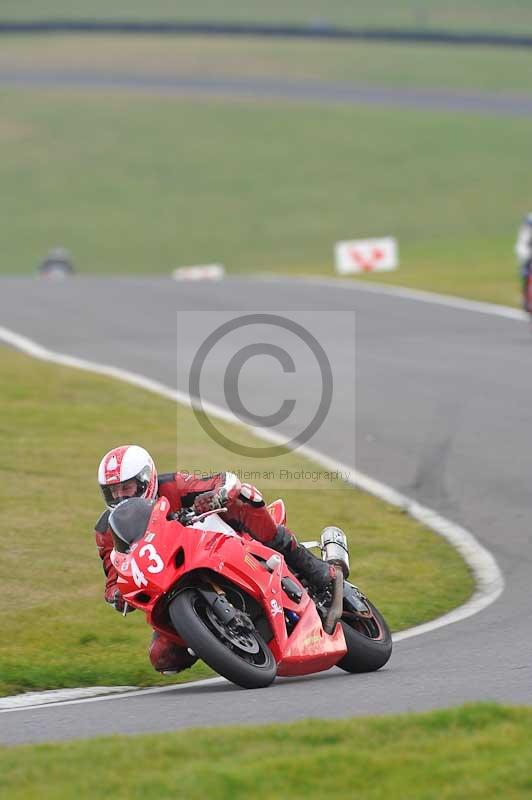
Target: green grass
[(55, 425), (132, 183), (512, 16), (465, 68), (470, 753), (142, 184)]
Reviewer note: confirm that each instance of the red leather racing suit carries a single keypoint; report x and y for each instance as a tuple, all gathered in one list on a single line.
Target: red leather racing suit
[(246, 513)]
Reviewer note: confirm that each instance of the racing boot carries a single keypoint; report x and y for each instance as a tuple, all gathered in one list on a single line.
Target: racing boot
[(336, 608), (167, 657), (319, 574)]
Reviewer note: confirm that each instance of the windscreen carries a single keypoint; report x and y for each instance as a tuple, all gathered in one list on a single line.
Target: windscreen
[(129, 522)]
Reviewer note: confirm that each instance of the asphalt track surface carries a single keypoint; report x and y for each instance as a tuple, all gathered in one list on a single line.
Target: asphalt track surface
[(257, 89), (443, 414)]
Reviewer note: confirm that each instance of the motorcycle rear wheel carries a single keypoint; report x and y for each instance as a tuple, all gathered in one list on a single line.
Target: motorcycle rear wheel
[(245, 660), (369, 642)]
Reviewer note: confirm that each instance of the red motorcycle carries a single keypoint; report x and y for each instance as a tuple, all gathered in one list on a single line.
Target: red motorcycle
[(233, 601), (527, 290)]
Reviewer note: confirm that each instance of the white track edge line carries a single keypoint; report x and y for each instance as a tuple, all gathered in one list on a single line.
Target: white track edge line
[(488, 577), (459, 303), (108, 693)]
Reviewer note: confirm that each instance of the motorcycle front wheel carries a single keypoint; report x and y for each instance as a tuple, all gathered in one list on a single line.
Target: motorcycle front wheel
[(241, 656), (368, 639)]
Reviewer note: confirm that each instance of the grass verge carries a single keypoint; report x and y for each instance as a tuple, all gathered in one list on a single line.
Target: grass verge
[(489, 15), (55, 425), (158, 173), (476, 751), (359, 63)]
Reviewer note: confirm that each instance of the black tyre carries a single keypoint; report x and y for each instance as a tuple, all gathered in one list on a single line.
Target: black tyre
[(242, 657), (369, 642)]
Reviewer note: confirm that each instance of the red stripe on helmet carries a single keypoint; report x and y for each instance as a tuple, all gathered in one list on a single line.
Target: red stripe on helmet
[(151, 491), (113, 465)]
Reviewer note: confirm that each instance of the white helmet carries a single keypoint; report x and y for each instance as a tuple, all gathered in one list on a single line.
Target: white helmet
[(119, 467)]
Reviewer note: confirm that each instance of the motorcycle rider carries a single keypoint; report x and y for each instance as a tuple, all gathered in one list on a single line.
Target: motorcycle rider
[(523, 251), (57, 263), (129, 471)]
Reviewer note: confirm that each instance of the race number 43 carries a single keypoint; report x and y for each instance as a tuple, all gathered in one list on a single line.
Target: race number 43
[(156, 565)]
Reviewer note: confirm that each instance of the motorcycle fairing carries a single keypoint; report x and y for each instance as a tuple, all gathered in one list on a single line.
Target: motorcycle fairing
[(170, 555)]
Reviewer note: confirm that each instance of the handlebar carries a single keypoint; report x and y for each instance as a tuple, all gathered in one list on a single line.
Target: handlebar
[(188, 517)]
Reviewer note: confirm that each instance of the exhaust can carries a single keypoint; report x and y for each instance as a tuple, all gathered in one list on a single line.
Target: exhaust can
[(334, 548)]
